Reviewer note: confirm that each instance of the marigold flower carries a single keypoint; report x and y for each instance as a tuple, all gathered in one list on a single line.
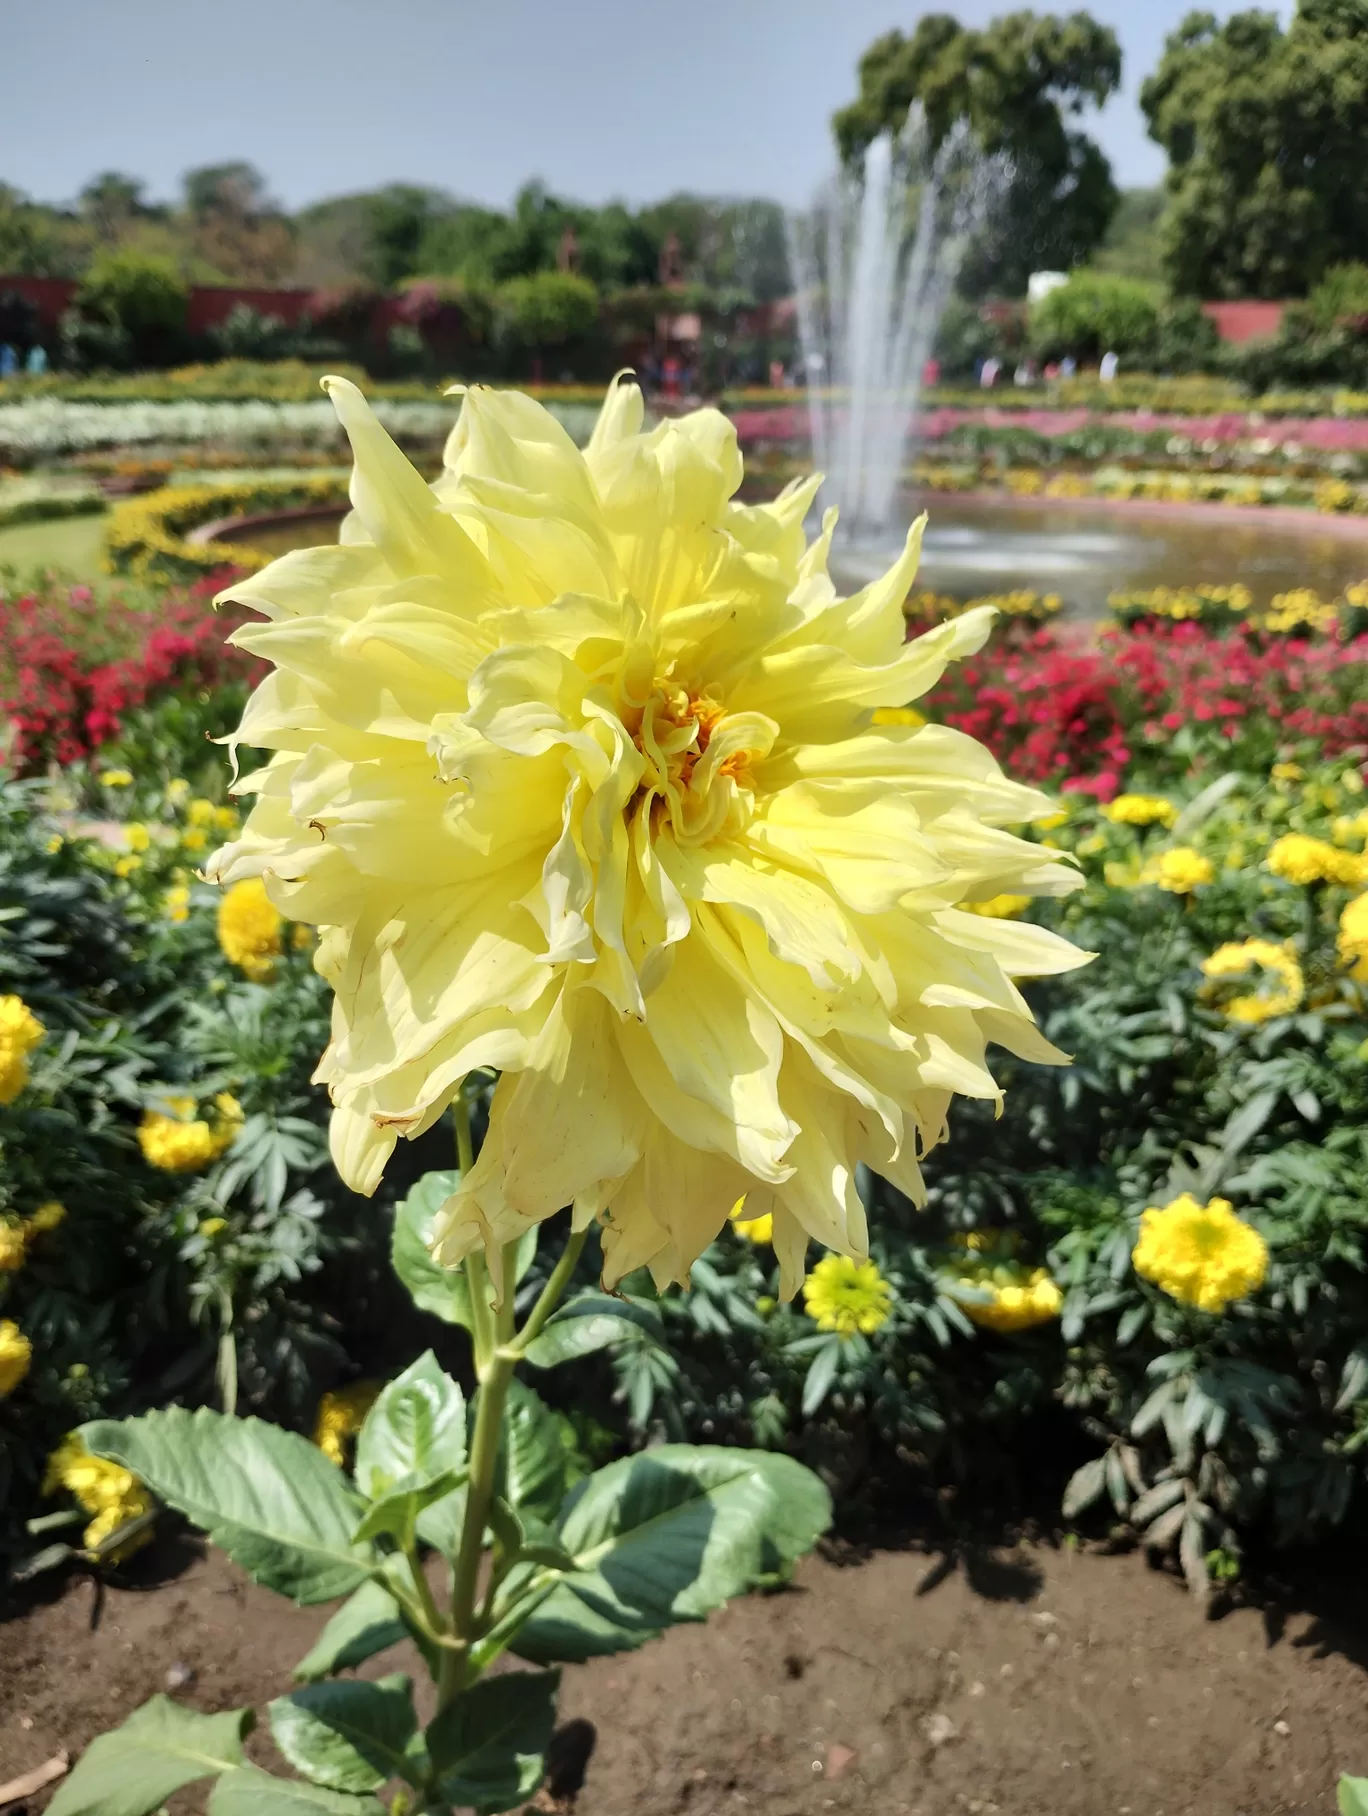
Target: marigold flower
[(1141, 810), (898, 715), (136, 836), (20, 1032), (1238, 959), (1180, 871), (177, 1141), (1020, 1297), (107, 1490), (13, 1247), (759, 1230), (1353, 936), (341, 1415), (1201, 1254), (1287, 772), (249, 925), (178, 791), (176, 902), (195, 839), (117, 778), (575, 765), (1298, 858), (45, 1219), (125, 867), (847, 1296), (16, 1355), (200, 813)]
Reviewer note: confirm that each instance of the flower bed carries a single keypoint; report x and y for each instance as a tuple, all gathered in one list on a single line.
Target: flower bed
[(148, 536)]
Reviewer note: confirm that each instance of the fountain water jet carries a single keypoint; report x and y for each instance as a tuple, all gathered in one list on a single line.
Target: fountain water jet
[(874, 265)]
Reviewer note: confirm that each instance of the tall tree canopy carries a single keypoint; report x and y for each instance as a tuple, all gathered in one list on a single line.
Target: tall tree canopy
[(1019, 82), (1267, 136)]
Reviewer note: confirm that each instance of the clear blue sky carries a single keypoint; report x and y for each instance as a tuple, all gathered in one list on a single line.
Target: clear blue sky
[(601, 98)]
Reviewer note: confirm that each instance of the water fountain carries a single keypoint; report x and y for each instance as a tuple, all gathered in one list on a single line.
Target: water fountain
[(875, 264)]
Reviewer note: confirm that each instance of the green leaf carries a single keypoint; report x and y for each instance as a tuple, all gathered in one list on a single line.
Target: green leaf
[(667, 1536), (267, 1497), (160, 1748), (534, 1453), (487, 1746), (367, 1622), (443, 1291), (1084, 1487), (415, 1431), (820, 1375), (1352, 1796), (348, 1736), (592, 1322), (249, 1792), (397, 1513)]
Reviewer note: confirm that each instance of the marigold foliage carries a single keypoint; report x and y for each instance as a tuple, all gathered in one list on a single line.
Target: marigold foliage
[(1279, 966), (20, 1032), (249, 925), (847, 1296), (177, 1141), (575, 766), (16, 1353), (1201, 1254)]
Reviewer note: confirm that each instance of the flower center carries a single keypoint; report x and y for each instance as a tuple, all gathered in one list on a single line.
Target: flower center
[(696, 760)]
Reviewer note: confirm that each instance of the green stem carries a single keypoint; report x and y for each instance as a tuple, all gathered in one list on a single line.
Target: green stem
[(484, 1457), (432, 1621), (550, 1296)]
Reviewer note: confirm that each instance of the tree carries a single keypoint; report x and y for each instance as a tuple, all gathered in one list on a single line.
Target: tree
[(1265, 131), (111, 201), (1092, 313), (1017, 82), (236, 229), (141, 298), (399, 219), (547, 308)]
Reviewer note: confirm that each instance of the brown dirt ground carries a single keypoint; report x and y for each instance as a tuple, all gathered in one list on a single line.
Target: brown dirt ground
[(1026, 1681)]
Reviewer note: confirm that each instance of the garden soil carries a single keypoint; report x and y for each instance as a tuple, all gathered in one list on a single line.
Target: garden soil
[(1021, 1680)]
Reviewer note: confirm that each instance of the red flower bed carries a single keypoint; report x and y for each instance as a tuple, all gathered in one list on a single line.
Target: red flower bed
[(72, 666), (1156, 702)]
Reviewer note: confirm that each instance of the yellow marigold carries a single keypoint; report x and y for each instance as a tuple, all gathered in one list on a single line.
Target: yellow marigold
[(117, 778), (195, 839), (249, 926), (1278, 963), (176, 902), (847, 1296), (20, 1032), (178, 791), (1299, 858), (107, 1490), (1020, 1297), (1353, 931), (758, 1230), (45, 1219), (1287, 772), (1180, 871), (341, 1415), (13, 1247), (574, 762), (125, 867), (899, 715), (178, 1141), (1141, 810), (16, 1354), (1001, 907), (200, 813), (1202, 1254), (213, 1226), (136, 836)]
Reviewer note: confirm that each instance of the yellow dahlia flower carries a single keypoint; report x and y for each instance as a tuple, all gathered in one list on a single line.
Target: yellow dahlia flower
[(107, 1490), (1299, 858), (1202, 1254), (249, 926), (1180, 871), (341, 1415), (1140, 810), (759, 1230), (16, 1353), (20, 1032), (1278, 963), (575, 766), (847, 1296), (177, 1141), (1020, 1297)]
